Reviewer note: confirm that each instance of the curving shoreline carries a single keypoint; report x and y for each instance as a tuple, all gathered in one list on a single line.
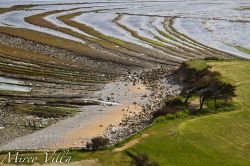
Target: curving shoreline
[(137, 97), (71, 61)]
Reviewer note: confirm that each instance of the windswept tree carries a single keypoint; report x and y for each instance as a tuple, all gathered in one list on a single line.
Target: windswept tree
[(225, 91), (188, 92), (189, 71), (210, 79), (200, 81), (205, 94), (221, 90)]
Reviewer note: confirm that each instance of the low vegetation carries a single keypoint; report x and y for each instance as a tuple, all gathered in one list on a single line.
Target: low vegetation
[(44, 111), (97, 143), (243, 49), (170, 109)]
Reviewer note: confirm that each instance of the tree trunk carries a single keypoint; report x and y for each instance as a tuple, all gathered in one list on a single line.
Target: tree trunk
[(202, 100), (187, 97)]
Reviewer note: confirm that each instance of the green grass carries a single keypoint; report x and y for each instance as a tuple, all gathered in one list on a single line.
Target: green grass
[(45, 111), (217, 139), (243, 49), (198, 65)]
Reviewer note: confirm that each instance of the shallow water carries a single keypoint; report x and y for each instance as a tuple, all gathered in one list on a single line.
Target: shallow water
[(224, 35), (13, 85)]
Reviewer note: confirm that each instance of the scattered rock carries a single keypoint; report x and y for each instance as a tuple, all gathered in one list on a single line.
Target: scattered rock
[(162, 87)]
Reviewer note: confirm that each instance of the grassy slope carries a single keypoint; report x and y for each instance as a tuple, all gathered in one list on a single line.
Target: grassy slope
[(219, 139)]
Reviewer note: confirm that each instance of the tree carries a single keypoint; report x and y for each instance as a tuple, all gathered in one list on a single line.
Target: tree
[(226, 91), (191, 70), (197, 79), (205, 94), (220, 90), (202, 82), (189, 92)]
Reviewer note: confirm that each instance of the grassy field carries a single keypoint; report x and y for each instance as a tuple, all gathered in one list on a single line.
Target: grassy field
[(217, 139), (213, 139)]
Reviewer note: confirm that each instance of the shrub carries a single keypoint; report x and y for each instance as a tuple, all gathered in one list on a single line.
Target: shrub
[(160, 119), (97, 143), (170, 116), (181, 114), (214, 58), (160, 112), (171, 107), (44, 111)]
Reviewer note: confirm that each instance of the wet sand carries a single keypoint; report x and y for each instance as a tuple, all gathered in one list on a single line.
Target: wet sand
[(111, 115)]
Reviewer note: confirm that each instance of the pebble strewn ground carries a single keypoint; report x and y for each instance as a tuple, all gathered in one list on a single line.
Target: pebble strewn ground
[(140, 92), (163, 87)]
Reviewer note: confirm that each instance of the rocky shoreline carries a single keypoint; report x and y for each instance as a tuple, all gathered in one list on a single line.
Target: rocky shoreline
[(163, 85), (132, 113), (14, 125)]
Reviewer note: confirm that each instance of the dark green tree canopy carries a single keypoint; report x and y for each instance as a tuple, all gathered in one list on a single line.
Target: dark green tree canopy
[(202, 82)]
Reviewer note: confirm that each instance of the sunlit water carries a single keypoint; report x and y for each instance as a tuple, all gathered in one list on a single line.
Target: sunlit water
[(13, 85)]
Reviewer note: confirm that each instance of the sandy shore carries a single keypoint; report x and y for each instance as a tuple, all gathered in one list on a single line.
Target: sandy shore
[(125, 95), (125, 108), (90, 122)]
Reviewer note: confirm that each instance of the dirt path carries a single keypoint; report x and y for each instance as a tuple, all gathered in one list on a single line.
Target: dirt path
[(130, 143), (241, 82)]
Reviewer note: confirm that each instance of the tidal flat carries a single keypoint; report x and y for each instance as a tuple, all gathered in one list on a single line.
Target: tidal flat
[(73, 70)]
